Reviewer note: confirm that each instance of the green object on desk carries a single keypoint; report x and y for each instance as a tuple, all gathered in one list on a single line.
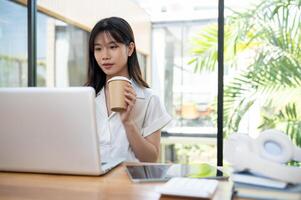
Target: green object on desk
[(202, 170)]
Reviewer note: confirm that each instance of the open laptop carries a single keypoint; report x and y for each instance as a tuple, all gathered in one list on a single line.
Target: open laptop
[(50, 130)]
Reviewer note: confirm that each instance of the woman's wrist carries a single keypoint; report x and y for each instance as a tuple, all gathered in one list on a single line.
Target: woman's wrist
[(129, 122)]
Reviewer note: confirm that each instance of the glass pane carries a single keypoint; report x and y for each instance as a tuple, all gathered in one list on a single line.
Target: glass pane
[(262, 87), (62, 53), (189, 93), (191, 101), (13, 45), (142, 59), (43, 36)]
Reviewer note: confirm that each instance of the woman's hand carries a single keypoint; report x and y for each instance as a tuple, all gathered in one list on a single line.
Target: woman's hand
[(130, 99)]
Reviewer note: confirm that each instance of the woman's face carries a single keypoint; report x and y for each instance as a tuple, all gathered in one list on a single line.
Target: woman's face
[(112, 56)]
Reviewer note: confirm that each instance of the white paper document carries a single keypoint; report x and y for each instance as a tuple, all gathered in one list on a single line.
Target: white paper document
[(189, 187)]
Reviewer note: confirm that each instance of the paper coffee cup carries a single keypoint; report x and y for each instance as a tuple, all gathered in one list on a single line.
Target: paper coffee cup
[(116, 93)]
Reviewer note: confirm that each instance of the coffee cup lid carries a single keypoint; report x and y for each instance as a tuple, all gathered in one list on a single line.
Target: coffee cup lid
[(119, 78)]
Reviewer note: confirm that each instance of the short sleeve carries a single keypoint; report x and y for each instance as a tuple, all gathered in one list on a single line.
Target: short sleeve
[(156, 116)]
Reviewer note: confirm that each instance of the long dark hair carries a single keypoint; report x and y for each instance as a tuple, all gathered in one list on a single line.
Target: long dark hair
[(122, 32)]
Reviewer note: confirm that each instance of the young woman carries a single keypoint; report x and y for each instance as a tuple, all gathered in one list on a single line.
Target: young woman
[(133, 134)]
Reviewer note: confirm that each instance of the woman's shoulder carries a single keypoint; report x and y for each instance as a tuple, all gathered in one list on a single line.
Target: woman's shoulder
[(144, 92), (150, 95), (148, 92)]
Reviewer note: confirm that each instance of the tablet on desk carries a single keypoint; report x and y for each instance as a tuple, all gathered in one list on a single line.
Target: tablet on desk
[(148, 173), (164, 172)]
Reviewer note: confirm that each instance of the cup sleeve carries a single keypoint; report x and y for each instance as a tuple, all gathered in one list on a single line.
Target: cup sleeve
[(156, 117)]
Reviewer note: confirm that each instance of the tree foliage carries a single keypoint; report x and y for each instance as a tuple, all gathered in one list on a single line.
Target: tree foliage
[(271, 32)]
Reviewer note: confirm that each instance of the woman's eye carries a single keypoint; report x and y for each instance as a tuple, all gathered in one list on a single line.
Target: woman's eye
[(97, 49), (114, 47)]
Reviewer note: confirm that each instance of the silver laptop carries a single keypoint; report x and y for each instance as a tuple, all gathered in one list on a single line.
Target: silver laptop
[(50, 130)]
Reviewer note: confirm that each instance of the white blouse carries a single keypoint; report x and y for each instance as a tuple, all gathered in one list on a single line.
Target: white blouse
[(149, 115)]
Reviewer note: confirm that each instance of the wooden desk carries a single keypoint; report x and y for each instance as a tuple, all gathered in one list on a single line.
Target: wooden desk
[(114, 185)]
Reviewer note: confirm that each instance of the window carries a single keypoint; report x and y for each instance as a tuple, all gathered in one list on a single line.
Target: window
[(62, 53), (142, 59), (62, 49), (263, 90), (13, 45), (188, 95)]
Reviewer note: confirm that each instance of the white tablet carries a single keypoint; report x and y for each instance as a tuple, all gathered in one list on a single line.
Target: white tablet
[(163, 172)]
